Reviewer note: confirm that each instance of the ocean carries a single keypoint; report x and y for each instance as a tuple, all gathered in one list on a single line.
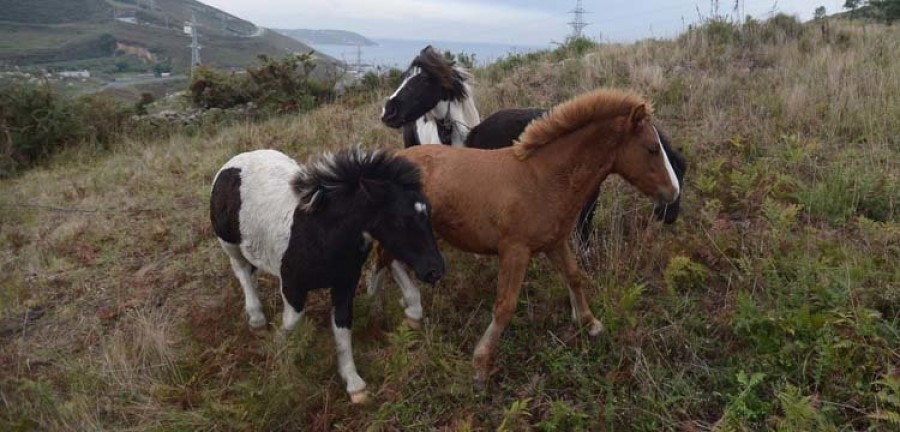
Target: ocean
[(398, 53)]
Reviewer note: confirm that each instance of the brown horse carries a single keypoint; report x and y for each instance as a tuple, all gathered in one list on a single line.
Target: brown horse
[(538, 187)]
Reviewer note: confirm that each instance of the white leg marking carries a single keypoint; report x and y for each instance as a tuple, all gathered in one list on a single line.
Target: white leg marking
[(672, 177), (574, 310), (411, 296), (376, 281), (244, 272), (481, 349), (346, 366), (290, 317)]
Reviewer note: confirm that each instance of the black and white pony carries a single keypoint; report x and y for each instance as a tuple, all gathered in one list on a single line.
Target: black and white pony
[(312, 227), (433, 103)]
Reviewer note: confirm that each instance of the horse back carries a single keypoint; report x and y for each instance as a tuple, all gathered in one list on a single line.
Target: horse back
[(478, 197), (502, 128)]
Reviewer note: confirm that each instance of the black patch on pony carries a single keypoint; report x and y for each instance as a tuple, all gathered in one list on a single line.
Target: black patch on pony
[(342, 175), (437, 67), (502, 128), (225, 205), (410, 135)]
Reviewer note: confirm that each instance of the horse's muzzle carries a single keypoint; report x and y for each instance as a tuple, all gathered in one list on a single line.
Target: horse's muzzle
[(667, 213), (390, 116)]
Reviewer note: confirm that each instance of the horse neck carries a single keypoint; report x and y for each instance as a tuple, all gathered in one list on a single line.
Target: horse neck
[(577, 162), (464, 115)]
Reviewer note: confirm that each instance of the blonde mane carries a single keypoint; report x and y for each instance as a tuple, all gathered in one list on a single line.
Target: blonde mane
[(575, 113)]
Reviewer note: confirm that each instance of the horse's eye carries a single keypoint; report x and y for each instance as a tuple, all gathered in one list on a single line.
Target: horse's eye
[(653, 150)]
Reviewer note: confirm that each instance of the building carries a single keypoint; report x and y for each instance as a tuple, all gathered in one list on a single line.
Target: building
[(76, 74), (127, 17)]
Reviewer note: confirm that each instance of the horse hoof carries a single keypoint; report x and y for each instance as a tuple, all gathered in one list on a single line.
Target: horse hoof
[(359, 397), (414, 324), (479, 383), (257, 323), (595, 328)]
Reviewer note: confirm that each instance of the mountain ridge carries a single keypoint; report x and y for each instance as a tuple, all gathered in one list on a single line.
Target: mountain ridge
[(56, 33), (327, 37)]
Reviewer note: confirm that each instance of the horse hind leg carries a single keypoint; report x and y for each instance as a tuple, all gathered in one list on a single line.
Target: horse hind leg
[(246, 275), (513, 263), (376, 279), (564, 260), (586, 222)]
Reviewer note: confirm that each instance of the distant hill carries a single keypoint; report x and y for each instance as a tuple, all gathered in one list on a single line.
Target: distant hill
[(102, 33), (327, 37)]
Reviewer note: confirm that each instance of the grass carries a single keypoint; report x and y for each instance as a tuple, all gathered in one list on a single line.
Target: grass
[(772, 304)]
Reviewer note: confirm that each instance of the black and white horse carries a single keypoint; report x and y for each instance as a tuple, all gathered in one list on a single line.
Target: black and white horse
[(433, 103), (312, 228)]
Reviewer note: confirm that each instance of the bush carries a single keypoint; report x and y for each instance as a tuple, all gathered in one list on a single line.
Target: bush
[(278, 85), (35, 121), (684, 274)]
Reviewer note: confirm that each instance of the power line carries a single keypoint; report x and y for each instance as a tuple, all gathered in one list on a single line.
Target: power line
[(578, 24), (195, 44)]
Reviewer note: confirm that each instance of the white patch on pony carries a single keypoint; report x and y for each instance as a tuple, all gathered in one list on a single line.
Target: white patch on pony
[(290, 316), (427, 131), (463, 114), (412, 75), (268, 202), (346, 366), (672, 177), (420, 207), (412, 299)]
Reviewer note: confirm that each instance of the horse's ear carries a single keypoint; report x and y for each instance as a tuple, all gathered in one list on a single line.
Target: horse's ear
[(427, 49), (639, 114)]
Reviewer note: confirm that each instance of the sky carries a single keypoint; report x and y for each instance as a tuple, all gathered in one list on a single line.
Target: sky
[(524, 22)]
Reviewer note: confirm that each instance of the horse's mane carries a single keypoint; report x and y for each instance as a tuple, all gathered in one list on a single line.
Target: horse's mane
[(342, 174), (452, 77), (573, 114)]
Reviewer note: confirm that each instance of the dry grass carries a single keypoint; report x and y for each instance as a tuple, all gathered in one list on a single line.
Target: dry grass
[(780, 310)]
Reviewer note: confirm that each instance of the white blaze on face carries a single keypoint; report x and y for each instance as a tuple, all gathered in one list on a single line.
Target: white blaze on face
[(672, 177), (421, 207), (411, 75)]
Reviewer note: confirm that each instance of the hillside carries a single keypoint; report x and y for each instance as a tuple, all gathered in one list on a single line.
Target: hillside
[(327, 37), (772, 304), (61, 34)]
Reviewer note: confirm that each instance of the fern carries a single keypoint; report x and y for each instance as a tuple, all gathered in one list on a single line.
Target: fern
[(516, 410), (889, 395)]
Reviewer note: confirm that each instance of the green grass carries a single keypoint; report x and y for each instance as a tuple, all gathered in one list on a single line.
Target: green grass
[(772, 304)]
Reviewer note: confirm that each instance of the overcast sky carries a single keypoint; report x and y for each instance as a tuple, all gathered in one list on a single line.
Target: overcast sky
[(524, 22)]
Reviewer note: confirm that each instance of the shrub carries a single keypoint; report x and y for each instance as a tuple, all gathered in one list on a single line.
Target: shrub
[(684, 274), (279, 85), (35, 121), (213, 88)]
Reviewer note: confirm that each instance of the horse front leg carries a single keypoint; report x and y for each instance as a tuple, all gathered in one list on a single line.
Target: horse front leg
[(412, 297), (513, 263), (564, 260), (341, 325)]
